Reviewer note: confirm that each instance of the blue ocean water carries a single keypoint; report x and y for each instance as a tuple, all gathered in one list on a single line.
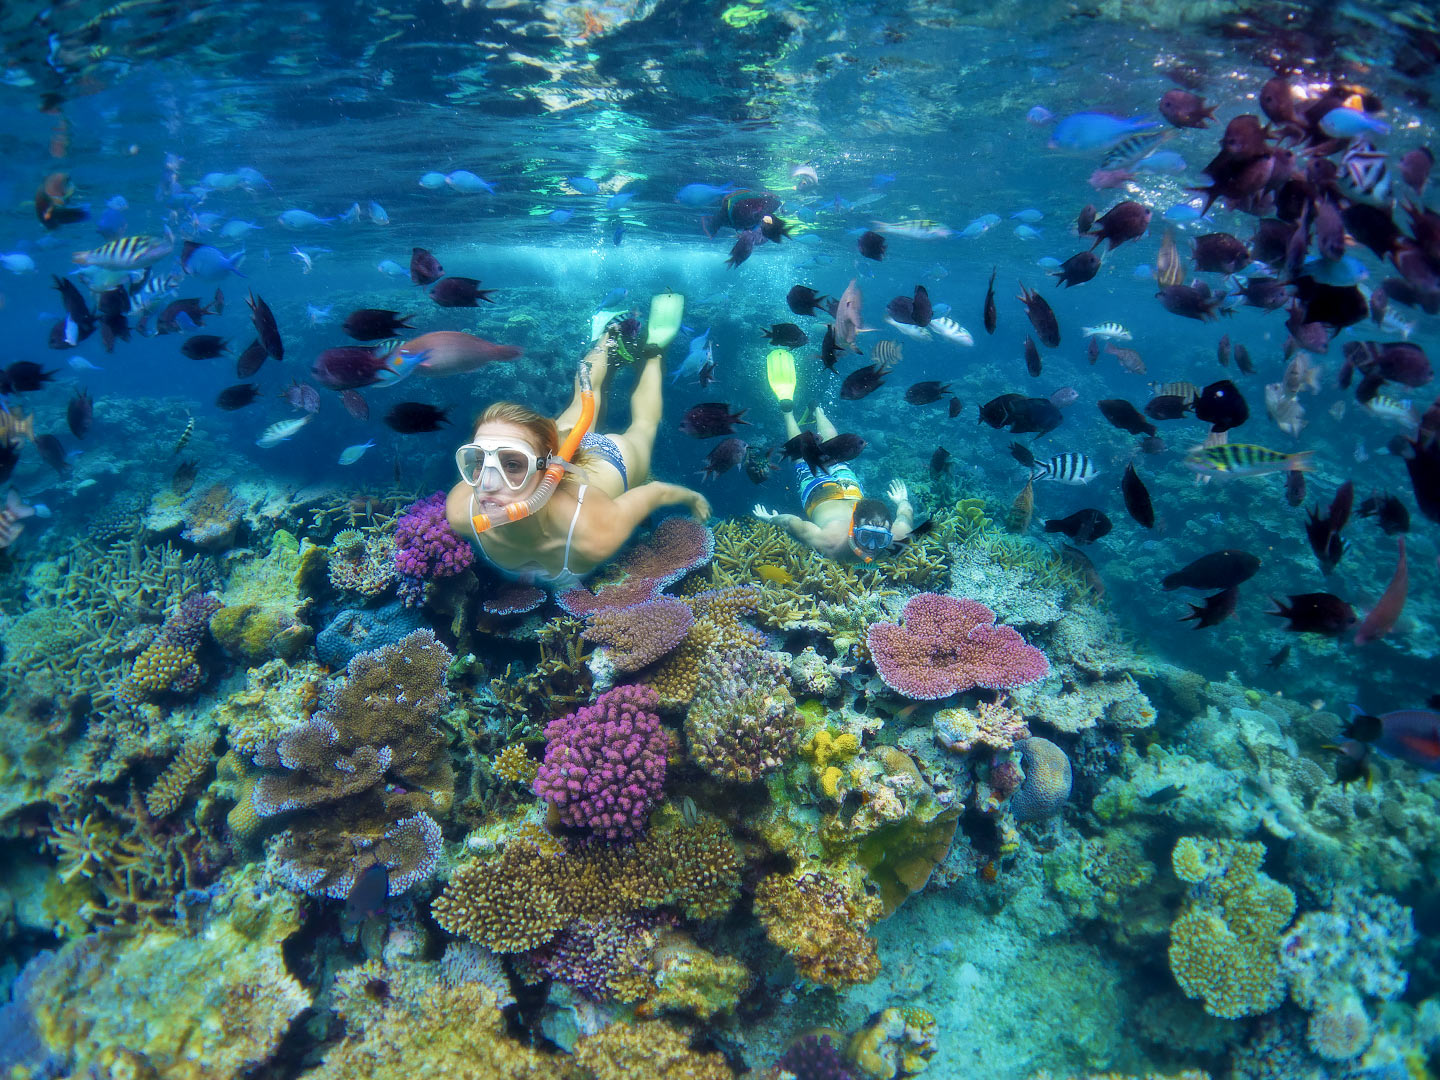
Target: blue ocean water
[(1228, 876)]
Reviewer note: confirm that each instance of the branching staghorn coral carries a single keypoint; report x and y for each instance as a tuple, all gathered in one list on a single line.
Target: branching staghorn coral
[(81, 606), (525, 700)]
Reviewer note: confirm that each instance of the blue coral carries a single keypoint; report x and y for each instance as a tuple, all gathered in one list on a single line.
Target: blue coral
[(357, 630), (1047, 780)]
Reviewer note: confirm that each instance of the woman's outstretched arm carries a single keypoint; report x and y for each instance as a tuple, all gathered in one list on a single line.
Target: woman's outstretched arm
[(608, 526)]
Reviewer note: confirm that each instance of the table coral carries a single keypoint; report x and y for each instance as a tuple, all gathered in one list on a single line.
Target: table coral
[(604, 764), (357, 782), (948, 644), (820, 922), (1223, 946), (637, 636)]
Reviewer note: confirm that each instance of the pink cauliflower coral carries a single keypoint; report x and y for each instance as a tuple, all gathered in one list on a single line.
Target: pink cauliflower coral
[(425, 545), (604, 764)]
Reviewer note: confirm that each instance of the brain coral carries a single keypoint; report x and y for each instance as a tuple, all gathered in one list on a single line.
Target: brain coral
[(1047, 780)]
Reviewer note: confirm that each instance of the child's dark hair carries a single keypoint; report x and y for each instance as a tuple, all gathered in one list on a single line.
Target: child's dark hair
[(871, 512)]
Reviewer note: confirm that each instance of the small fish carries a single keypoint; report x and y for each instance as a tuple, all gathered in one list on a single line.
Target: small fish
[(1125, 416), (237, 397), (912, 229), (282, 431), (1069, 468), (467, 183), (1083, 526), (378, 214), (17, 262), (391, 268), (1217, 570), (127, 253), (1110, 331), (872, 245), (1279, 657), (1348, 123), (949, 330), (203, 346), (1316, 613), (1032, 357), (786, 335), (560, 216), (302, 219), (1245, 459), (1027, 232), (1137, 497), (1214, 609), (1039, 115), (352, 454), (989, 312), (1167, 794), (940, 463), (79, 363), (302, 396), (926, 393)]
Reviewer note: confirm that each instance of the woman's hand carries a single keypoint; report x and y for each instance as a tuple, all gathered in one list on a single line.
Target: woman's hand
[(698, 504)]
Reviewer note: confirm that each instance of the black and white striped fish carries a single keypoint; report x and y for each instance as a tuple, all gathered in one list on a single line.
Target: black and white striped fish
[(1071, 468), (1133, 148), (155, 290), (128, 252)]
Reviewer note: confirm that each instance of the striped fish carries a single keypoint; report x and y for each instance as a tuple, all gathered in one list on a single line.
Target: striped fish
[(886, 354), (153, 291), (1131, 149), (1396, 410), (1246, 459), (127, 253), (282, 430), (1071, 468), (1186, 391), (912, 229)]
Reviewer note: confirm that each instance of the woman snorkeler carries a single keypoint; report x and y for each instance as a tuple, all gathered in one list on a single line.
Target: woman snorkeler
[(548, 501)]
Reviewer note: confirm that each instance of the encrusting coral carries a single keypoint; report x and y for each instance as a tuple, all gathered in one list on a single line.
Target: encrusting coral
[(356, 784)]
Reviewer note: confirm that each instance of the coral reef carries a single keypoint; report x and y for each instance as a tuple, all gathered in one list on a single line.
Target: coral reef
[(742, 722), (1047, 780), (992, 725), (213, 1005), (361, 562), (264, 610), (947, 645), (173, 785), (356, 784), (604, 764), (820, 923), (897, 1043), (1223, 946), (637, 636), (522, 897), (169, 664), (353, 632), (425, 547), (651, 1049)]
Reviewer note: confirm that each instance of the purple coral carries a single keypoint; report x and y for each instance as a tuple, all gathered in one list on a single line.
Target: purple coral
[(600, 957), (604, 764), (638, 636), (186, 628), (814, 1057), (426, 547), (948, 644)]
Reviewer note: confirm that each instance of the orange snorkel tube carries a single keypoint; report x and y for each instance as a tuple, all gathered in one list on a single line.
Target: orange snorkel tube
[(550, 480)]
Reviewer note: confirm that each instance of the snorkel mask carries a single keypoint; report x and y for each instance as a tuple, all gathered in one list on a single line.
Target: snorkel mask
[(868, 541), (487, 464)]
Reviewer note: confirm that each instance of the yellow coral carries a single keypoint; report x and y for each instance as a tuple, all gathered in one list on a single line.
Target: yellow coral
[(174, 784), (515, 765), (159, 666), (1223, 946), (823, 749), (505, 904), (898, 1042), (830, 782), (649, 1050), (821, 923)]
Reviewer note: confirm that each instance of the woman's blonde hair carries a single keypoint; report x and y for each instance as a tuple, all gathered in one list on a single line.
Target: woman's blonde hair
[(543, 433)]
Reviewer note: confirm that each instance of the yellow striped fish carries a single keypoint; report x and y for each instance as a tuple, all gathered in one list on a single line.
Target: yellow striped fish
[(1246, 459), (127, 253)]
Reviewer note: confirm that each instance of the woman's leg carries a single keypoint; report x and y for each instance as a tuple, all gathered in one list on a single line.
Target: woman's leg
[(823, 427), (646, 404), (599, 358)]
